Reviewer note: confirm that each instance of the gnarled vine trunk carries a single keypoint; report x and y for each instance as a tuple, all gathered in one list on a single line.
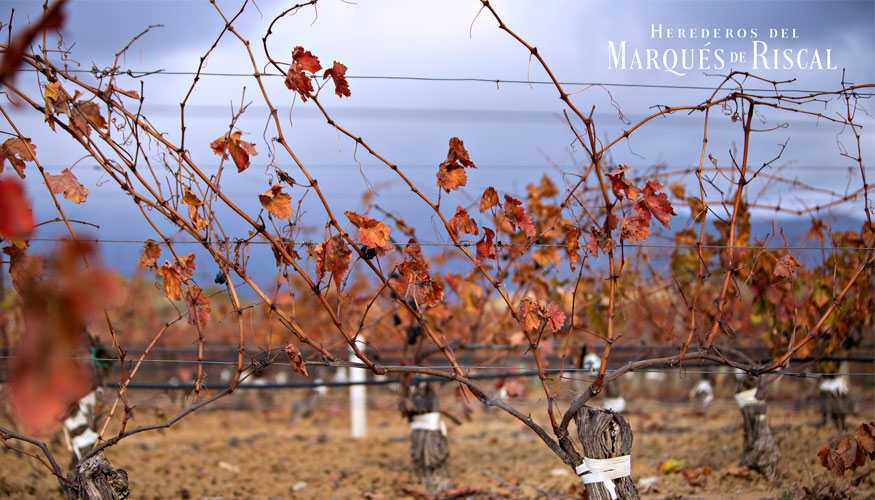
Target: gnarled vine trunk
[(759, 451), (95, 479), (605, 434), (429, 448), (835, 405)]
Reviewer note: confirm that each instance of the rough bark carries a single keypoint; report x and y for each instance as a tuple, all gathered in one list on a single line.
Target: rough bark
[(759, 450), (429, 450), (95, 479), (605, 434)]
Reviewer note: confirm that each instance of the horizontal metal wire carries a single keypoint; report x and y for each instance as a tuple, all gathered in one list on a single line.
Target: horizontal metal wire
[(469, 244), (475, 376), (449, 79)]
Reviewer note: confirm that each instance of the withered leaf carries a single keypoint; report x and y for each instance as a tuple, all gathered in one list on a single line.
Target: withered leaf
[(17, 151), (451, 173), (276, 202), (68, 184), (621, 186), (451, 176), (636, 227), (193, 202), (518, 217), (529, 313), (172, 281), (333, 256), (786, 266), (149, 257), (198, 306), (656, 203), (86, 114), (489, 199), (239, 149), (296, 360), (485, 247), (572, 246), (372, 233), (463, 223)]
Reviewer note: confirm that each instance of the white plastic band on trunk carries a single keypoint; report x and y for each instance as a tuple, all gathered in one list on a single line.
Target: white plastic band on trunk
[(428, 422), (605, 470), (837, 385), (747, 398), (84, 440), (703, 387), (615, 404)]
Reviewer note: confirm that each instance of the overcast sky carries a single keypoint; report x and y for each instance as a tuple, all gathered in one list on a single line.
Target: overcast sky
[(514, 132)]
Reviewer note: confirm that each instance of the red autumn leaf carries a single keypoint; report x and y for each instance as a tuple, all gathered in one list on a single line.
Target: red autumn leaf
[(488, 200), (372, 233), (299, 82), (636, 227), (572, 246), (151, 252), (296, 79), (16, 218), (45, 380), (305, 60), (518, 217), (17, 151), (198, 306), (554, 316), (68, 184), (333, 256), (40, 395), (621, 186), (529, 313), (276, 202), (485, 247), (337, 72), (786, 266), (463, 223), (296, 359), (656, 203), (240, 150), (53, 18)]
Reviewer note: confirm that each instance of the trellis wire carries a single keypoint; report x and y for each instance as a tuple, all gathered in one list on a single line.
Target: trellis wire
[(448, 79), (466, 244), (475, 376)]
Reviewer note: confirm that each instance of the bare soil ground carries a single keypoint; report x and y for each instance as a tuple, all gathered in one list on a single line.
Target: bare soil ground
[(259, 454)]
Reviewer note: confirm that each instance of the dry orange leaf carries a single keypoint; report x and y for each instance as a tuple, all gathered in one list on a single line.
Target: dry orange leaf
[(68, 184), (276, 202), (372, 233)]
